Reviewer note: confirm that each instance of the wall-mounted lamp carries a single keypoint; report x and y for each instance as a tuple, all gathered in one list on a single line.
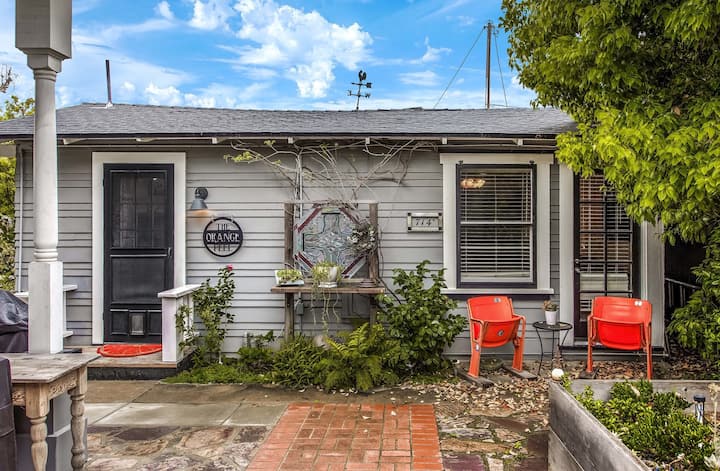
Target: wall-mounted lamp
[(198, 203)]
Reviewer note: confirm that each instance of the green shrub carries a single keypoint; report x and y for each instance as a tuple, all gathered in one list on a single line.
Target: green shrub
[(364, 358), (696, 325), (211, 304), (654, 425), (295, 364), (422, 321), (256, 357)]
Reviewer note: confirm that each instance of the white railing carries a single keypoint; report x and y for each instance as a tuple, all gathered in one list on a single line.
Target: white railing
[(172, 300), (25, 296)]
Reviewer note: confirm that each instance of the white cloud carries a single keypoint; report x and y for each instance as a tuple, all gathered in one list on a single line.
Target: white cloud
[(447, 7), (212, 14), (214, 95), (304, 46), (169, 96), (465, 21), (129, 86), (432, 54), (427, 78), (163, 9)]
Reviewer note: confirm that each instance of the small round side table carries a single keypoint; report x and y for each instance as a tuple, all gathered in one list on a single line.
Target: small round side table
[(554, 340)]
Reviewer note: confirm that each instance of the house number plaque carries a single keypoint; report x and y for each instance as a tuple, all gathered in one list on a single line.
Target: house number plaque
[(222, 237), (424, 222)]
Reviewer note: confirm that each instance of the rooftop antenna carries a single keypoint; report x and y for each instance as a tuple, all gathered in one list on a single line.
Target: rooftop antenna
[(489, 27), (109, 103), (360, 83)]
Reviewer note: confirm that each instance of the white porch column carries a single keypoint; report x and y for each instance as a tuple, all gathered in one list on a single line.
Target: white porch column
[(42, 31), (45, 323)]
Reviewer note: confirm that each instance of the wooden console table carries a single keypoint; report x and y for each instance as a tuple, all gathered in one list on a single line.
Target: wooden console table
[(36, 379), (343, 288)]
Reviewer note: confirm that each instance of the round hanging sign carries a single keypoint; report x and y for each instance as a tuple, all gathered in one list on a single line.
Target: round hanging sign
[(222, 237)]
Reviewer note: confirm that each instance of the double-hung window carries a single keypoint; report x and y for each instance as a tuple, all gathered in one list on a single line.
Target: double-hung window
[(495, 224), (496, 237)]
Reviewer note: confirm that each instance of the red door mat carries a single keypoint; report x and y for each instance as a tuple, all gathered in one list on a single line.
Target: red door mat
[(128, 349)]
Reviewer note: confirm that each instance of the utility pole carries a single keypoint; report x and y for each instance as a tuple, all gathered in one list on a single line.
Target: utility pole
[(487, 64), (361, 83)]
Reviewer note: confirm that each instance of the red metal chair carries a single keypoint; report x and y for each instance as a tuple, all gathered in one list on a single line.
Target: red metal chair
[(622, 324), (493, 324)]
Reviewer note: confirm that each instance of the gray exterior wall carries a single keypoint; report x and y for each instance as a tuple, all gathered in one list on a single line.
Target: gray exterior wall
[(253, 195)]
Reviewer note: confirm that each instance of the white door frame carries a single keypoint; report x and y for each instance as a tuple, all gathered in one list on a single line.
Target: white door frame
[(99, 159)]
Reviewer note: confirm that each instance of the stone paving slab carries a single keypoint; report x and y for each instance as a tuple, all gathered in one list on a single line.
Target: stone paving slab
[(193, 393), (256, 414), (97, 411), (170, 448), (116, 391), (329, 437), (169, 414)]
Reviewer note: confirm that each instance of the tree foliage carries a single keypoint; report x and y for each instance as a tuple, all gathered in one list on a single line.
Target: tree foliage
[(13, 108), (642, 80)]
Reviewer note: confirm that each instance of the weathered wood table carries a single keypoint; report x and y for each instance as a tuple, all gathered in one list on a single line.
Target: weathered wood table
[(36, 379), (345, 287)]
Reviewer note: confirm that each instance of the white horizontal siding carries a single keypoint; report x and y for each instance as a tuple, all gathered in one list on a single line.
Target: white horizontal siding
[(253, 196)]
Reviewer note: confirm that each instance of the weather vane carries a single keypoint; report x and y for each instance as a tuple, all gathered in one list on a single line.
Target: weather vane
[(360, 83)]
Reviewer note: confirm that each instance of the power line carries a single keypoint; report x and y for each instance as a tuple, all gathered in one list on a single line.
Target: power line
[(457, 71)]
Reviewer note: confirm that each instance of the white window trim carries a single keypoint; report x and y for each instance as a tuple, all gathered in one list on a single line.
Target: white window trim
[(99, 159), (542, 218)]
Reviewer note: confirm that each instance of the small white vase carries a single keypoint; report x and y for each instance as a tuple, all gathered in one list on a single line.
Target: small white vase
[(551, 317)]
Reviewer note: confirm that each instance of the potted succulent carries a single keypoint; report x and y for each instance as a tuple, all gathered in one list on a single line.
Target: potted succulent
[(326, 274), (289, 277), (551, 312)]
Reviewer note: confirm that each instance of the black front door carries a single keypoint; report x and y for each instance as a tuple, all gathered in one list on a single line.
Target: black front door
[(138, 250), (604, 248)]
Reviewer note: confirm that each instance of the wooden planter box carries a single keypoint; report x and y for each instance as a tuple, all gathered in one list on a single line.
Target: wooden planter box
[(578, 441)]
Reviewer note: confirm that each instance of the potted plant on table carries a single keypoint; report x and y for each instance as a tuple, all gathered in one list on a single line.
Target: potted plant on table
[(326, 274), (289, 277), (551, 312)]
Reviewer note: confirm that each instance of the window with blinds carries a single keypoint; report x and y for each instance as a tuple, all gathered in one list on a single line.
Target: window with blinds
[(496, 218)]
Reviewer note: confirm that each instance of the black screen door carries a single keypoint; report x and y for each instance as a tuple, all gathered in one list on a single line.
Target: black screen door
[(604, 248), (138, 250)]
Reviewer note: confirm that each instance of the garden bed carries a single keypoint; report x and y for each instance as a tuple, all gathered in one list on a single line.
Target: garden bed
[(578, 441)]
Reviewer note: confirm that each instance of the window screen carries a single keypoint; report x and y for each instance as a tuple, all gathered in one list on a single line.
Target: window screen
[(496, 224)]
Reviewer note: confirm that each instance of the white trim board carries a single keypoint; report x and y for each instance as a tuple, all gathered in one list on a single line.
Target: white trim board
[(99, 159), (542, 216)]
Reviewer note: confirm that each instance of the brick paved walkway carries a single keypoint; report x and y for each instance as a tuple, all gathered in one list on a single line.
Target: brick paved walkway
[(329, 437)]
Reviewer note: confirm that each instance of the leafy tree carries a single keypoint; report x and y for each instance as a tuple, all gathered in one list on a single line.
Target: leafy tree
[(17, 108), (642, 80), (14, 108)]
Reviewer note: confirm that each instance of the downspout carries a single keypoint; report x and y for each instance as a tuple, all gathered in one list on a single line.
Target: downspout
[(21, 188)]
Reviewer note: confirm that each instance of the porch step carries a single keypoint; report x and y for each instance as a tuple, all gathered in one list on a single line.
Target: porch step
[(579, 352), (133, 368)]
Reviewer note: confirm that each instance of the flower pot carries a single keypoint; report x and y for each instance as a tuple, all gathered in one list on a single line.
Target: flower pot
[(280, 281), (331, 281), (551, 317), (326, 276)]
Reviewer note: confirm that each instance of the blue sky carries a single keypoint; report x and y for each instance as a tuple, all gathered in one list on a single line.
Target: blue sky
[(276, 54)]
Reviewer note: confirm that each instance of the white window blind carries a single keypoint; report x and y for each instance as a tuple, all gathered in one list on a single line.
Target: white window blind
[(496, 224)]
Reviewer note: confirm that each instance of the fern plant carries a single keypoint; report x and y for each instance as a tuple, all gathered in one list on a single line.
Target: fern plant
[(364, 358), (295, 364)]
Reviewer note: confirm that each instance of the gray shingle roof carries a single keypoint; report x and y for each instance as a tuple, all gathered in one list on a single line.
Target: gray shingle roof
[(95, 120)]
